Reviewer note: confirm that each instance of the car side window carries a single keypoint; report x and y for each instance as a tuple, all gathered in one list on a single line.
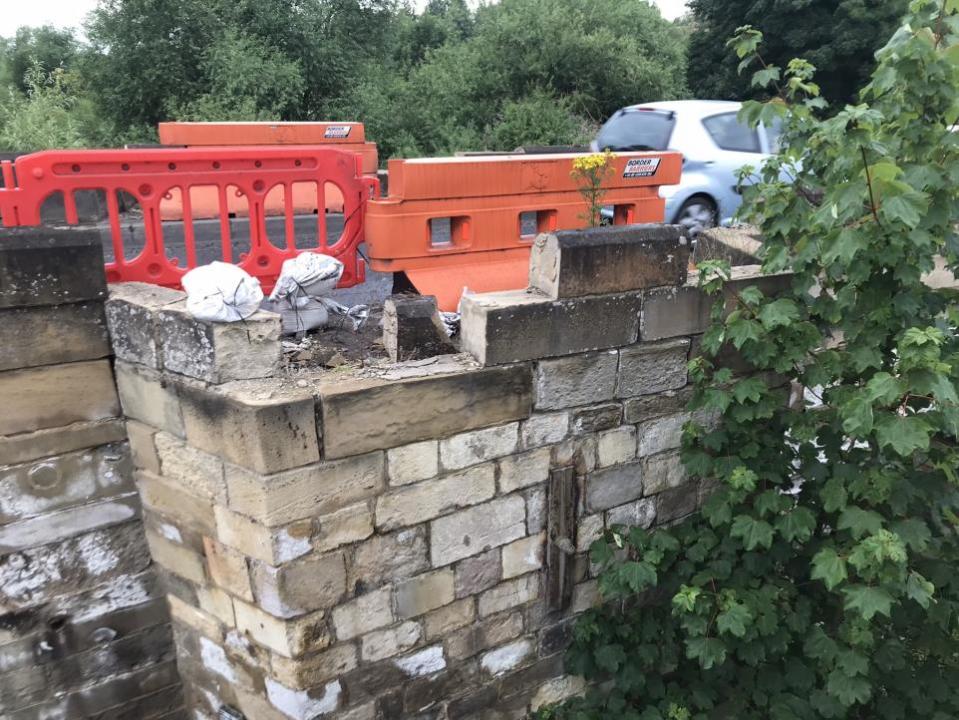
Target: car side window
[(730, 134)]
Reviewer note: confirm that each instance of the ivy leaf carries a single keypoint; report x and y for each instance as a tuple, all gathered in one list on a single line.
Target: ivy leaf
[(828, 567), (734, 619), (754, 533), (798, 524), (904, 435), (868, 600), (709, 651)]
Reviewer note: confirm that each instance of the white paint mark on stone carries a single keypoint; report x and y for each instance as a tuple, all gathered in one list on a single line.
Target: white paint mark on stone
[(298, 704), (506, 658), (425, 662), (215, 660), (98, 557), (170, 532), (289, 547)]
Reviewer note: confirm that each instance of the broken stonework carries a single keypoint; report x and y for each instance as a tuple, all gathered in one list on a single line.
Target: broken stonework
[(413, 328)]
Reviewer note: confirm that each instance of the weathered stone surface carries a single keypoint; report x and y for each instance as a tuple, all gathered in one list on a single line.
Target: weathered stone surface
[(535, 510), (66, 523), (251, 428), (412, 463), (648, 407), (656, 436), (228, 569), (313, 670), (303, 492), (423, 593), (523, 556), (585, 596), (430, 499), (640, 513), (477, 446), (56, 395), (27, 446), (49, 335), (485, 634), (218, 352), (648, 369), (597, 261), (580, 380), (368, 612), (177, 559), (472, 531), (173, 501), (197, 471), (290, 638), (131, 318), (38, 487), (597, 419), (509, 594), (615, 447), (662, 472), (413, 328), (557, 690), (342, 527), (588, 530), (301, 586), (507, 657), (445, 620), (382, 644), (50, 266), (614, 486), (524, 470), (142, 448), (544, 429), (675, 311), (434, 406), (302, 704), (478, 573), (146, 396), (423, 663), (677, 502), (385, 558), (271, 545), (517, 325)]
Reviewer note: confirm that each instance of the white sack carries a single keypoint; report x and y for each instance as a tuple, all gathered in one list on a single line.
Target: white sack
[(221, 292)]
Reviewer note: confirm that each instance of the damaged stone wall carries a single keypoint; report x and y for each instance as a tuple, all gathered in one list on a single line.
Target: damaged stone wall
[(84, 628), (409, 540)]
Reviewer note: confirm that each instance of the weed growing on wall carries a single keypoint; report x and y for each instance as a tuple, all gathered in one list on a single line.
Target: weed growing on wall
[(589, 173), (820, 579)]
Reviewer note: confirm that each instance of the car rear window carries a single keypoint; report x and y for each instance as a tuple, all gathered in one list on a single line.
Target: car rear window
[(637, 130), (730, 134)]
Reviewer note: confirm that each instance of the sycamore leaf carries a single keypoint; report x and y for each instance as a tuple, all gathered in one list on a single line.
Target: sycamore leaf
[(904, 435), (857, 416), (734, 619), (828, 567), (709, 651), (868, 600), (610, 657), (834, 495), (860, 522), (797, 524), (848, 690), (754, 533), (638, 575), (779, 313), (919, 589), (884, 388)]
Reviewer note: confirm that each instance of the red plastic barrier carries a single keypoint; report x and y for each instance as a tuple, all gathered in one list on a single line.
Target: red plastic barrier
[(154, 177)]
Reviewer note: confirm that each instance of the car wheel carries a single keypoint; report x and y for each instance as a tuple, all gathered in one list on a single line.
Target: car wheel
[(698, 213)]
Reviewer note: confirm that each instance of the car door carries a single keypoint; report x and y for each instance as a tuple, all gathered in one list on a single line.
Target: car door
[(738, 145)]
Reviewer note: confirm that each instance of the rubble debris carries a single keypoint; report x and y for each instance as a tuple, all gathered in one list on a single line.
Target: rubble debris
[(413, 328)]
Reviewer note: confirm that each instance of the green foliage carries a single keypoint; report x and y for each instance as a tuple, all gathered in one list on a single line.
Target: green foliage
[(837, 36), (46, 115), (819, 580)]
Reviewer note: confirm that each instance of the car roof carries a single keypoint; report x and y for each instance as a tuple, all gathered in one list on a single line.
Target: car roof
[(698, 107)]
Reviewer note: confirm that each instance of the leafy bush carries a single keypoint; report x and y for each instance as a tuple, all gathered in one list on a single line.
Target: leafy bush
[(43, 117), (820, 579)]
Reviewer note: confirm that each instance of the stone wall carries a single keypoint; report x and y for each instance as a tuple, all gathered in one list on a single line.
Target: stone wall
[(84, 629), (409, 540)]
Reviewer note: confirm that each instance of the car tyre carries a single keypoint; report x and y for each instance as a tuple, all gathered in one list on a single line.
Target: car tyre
[(698, 213)]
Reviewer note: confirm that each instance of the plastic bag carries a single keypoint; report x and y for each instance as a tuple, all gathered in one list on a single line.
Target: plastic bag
[(221, 292), (308, 275)]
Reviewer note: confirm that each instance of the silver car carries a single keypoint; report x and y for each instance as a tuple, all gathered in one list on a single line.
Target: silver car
[(714, 144)]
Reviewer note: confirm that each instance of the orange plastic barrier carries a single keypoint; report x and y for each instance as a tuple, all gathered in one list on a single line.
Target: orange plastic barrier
[(136, 184), (468, 222), (346, 136)]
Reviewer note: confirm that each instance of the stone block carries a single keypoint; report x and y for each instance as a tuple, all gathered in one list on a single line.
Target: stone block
[(478, 573), (176, 559), (524, 470), (535, 510), (199, 472), (477, 446), (423, 663), (255, 428), (544, 429), (299, 587), (589, 529), (172, 501), (579, 380), (484, 634), (585, 596), (662, 472), (414, 462), (419, 595), (57, 395), (272, 545), (131, 317), (653, 368), (50, 266), (599, 261), (194, 618), (666, 433), (364, 614), (228, 569), (413, 328), (640, 513), (313, 670), (518, 325), (57, 526), (142, 448), (381, 644), (473, 531), (523, 556), (60, 481), (507, 657), (349, 525), (317, 489), (27, 446), (290, 638), (148, 397), (615, 447), (433, 406), (556, 691), (218, 352), (302, 704), (676, 503), (596, 419), (445, 620), (426, 500), (648, 407), (614, 486), (50, 335), (509, 594), (392, 557), (673, 312)]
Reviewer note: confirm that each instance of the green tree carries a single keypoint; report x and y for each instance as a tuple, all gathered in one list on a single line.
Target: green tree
[(819, 580), (42, 117), (838, 36), (46, 46)]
